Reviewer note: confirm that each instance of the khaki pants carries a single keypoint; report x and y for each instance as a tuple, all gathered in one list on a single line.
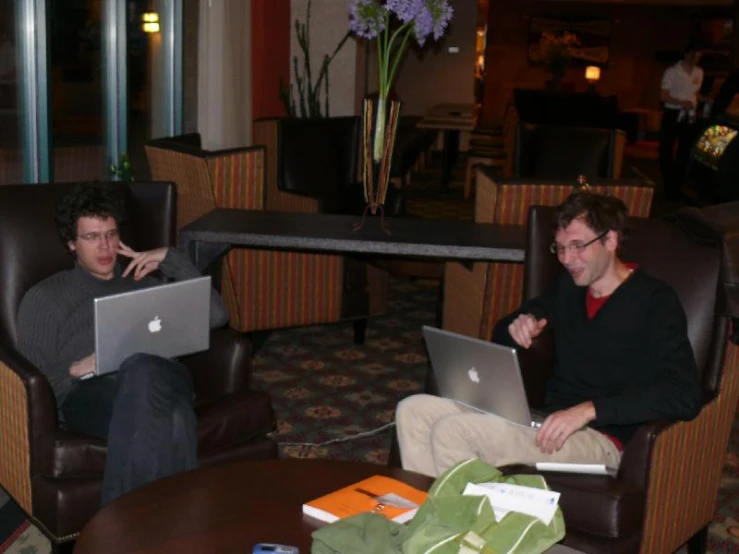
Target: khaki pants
[(435, 433)]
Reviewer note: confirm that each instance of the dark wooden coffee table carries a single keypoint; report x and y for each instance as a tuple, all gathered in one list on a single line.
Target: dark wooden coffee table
[(229, 508), (225, 508)]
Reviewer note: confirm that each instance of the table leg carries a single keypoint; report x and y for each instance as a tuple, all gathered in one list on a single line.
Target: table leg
[(451, 153)]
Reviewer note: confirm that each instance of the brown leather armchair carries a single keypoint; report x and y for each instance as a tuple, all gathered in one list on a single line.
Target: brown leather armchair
[(665, 491), (56, 475), (664, 494)]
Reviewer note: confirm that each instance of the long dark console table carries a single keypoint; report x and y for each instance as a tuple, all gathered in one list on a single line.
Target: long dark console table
[(211, 236)]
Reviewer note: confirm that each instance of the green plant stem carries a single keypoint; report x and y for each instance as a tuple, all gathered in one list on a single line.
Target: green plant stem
[(399, 56), (379, 129), (385, 52)]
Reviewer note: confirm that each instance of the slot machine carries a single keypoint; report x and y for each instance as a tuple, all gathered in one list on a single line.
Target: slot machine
[(714, 167)]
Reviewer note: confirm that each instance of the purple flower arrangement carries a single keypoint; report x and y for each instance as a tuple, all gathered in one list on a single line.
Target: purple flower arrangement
[(371, 19)]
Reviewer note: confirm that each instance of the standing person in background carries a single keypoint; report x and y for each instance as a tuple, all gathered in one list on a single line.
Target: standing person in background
[(679, 94)]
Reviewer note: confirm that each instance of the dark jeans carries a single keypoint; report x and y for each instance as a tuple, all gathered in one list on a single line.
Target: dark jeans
[(145, 412), (673, 165)]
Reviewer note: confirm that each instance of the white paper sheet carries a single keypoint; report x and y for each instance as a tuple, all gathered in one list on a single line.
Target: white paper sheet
[(506, 498), (590, 469)]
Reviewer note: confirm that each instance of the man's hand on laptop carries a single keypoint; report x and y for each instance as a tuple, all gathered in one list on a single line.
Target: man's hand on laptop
[(142, 263), (526, 328), (82, 367), (558, 427)]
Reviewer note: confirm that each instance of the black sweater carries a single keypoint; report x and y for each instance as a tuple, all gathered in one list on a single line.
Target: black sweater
[(632, 359)]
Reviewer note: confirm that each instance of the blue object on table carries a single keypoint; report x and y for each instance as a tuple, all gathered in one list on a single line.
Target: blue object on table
[(271, 548)]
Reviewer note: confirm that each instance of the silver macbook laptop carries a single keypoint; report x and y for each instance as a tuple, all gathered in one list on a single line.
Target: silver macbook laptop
[(168, 320), (479, 374)]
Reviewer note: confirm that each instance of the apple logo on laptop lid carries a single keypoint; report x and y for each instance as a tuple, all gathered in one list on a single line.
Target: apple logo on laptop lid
[(155, 325), (473, 375)]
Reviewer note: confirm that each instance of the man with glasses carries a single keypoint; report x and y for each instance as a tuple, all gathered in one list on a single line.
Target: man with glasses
[(622, 358), (145, 409)]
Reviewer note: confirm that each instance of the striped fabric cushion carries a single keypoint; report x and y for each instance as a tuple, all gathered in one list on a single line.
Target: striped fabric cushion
[(15, 460), (190, 174), (265, 289), (238, 179), (686, 467), (504, 286), (284, 289)]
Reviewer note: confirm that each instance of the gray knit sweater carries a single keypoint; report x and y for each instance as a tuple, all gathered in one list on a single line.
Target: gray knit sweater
[(56, 318)]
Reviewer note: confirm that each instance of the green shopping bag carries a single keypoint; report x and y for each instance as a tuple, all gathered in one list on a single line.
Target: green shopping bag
[(448, 522)]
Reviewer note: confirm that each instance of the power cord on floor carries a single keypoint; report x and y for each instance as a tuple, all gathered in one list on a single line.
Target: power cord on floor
[(343, 439)]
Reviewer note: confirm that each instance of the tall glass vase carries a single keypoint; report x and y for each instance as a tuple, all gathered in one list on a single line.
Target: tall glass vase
[(379, 127)]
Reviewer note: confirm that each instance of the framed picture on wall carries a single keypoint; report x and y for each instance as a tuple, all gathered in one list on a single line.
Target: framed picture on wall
[(588, 40)]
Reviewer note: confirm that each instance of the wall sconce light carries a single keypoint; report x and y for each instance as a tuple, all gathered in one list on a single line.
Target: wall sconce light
[(151, 22), (592, 74)]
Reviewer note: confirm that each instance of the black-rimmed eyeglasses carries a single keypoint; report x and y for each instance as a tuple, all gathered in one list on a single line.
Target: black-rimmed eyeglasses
[(575, 246)]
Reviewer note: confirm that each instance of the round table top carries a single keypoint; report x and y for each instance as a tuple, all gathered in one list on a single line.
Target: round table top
[(226, 508)]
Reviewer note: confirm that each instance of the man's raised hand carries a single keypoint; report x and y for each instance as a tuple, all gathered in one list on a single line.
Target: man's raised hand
[(142, 263), (525, 328)]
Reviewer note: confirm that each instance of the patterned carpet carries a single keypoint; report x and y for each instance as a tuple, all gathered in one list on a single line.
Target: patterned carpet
[(325, 388)]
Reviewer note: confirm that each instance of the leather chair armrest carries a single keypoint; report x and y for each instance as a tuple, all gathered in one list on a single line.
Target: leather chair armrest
[(598, 505), (637, 452), (75, 455), (224, 368), (232, 419), (32, 403)]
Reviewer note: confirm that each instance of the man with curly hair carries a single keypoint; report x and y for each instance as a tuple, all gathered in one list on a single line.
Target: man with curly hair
[(145, 409), (622, 358)]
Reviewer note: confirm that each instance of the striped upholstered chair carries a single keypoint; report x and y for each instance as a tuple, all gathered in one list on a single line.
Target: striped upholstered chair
[(263, 289), (666, 488), (476, 296)]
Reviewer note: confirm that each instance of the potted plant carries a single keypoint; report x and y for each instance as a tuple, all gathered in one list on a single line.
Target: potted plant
[(390, 24)]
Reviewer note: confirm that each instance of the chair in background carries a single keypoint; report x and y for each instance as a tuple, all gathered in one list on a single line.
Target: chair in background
[(667, 484), (491, 150), (580, 109), (313, 165), (411, 150), (56, 475), (314, 158), (263, 289), (477, 295), (564, 152)]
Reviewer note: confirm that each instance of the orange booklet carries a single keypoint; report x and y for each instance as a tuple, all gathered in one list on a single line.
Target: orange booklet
[(382, 495)]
